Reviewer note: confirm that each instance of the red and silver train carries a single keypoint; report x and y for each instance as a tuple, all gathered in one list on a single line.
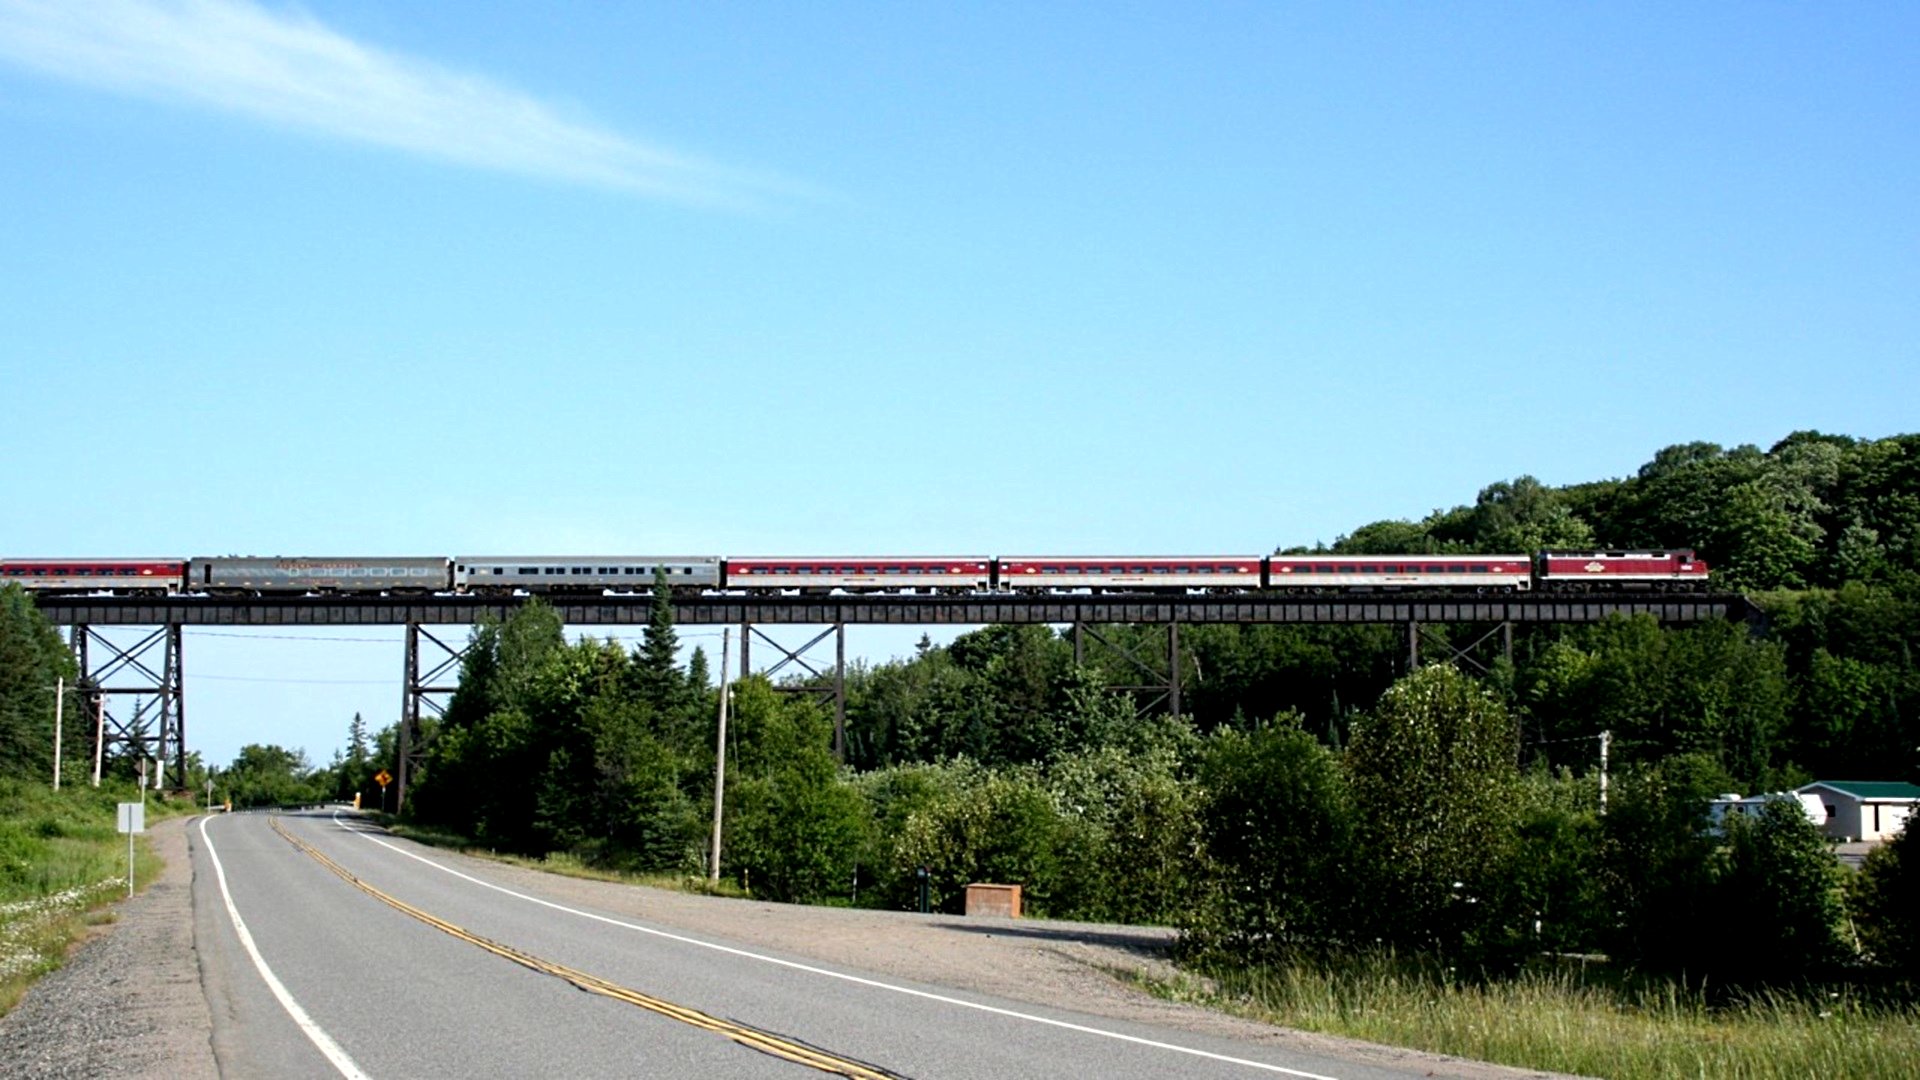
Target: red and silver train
[(504, 575)]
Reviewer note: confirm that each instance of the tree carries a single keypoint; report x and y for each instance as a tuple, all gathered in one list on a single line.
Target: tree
[(657, 659), (1777, 912), (268, 775), (1277, 825), (353, 771), (1524, 515), (1657, 862), (32, 660), (794, 830), (1433, 776), (1763, 544), (1885, 898)]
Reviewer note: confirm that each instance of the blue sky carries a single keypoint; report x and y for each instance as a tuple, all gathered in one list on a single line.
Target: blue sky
[(353, 277)]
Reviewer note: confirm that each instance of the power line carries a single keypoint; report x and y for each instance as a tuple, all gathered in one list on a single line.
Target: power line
[(304, 682), (293, 637)]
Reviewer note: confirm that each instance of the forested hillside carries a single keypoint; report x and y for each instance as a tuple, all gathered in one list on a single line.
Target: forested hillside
[(1310, 769)]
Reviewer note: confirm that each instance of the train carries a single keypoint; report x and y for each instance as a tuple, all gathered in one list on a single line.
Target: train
[(508, 575)]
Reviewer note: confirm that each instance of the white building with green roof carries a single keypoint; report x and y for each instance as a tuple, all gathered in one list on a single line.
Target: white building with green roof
[(1871, 810)]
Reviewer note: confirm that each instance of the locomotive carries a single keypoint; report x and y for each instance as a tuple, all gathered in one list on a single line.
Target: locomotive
[(506, 575)]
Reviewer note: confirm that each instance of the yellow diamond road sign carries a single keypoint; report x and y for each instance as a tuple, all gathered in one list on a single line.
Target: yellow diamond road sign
[(383, 778)]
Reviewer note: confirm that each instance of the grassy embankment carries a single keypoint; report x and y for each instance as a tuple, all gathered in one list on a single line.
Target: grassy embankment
[(62, 860), (1568, 1021)]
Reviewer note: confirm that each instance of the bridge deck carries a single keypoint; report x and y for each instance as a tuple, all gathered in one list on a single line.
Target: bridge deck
[(891, 610)]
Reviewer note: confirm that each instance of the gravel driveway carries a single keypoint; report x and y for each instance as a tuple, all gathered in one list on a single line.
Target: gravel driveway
[(130, 1004)]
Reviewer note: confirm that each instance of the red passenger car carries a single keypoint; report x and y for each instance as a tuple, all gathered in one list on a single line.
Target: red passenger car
[(1475, 573), (125, 576), (855, 574), (1129, 573)]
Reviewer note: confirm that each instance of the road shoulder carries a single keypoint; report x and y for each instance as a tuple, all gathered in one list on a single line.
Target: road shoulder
[(129, 1002)]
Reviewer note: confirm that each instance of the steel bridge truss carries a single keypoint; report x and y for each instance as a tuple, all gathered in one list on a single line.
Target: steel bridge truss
[(1158, 685), (826, 685), (1474, 654), (150, 672), (426, 692)]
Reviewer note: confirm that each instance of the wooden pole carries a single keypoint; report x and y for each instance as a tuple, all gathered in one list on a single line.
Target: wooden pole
[(720, 757)]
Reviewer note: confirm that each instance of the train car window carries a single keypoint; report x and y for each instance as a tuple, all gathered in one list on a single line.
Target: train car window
[(1477, 568), (1369, 568)]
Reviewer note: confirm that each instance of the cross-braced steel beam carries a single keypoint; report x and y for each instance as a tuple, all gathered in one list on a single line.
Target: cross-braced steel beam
[(150, 672), (828, 686), (1469, 655), (424, 691), (1160, 680)]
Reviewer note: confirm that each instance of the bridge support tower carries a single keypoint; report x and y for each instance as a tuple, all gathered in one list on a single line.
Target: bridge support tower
[(1477, 654), (830, 687), (1159, 677), (150, 671), (427, 687)]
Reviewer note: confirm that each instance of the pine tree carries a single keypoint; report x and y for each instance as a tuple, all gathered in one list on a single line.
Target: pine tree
[(357, 743), (660, 679)]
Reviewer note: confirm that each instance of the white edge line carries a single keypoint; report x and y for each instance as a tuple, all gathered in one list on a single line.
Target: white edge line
[(808, 968), (320, 1039)]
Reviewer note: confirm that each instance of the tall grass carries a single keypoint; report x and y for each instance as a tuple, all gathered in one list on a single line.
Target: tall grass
[(1570, 1020), (61, 855)]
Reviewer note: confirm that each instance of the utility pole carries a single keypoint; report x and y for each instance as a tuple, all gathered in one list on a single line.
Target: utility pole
[(99, 733), (1606, 737), (59, 707), (720, 759)]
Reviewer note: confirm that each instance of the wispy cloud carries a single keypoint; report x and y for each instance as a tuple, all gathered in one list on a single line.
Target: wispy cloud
[(287, 68)]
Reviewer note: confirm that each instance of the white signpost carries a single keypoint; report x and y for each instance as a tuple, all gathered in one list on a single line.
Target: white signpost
[(133, 819)]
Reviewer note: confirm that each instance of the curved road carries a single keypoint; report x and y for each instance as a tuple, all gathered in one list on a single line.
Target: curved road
[(331, 949)]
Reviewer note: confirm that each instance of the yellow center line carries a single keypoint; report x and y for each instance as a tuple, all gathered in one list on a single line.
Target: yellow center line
[(764, 1041)]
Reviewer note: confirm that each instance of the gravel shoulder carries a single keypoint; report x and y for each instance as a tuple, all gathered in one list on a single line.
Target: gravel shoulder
[(131, 1002), (128, 1003)]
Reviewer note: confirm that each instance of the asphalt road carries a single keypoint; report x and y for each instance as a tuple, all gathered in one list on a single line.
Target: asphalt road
[(372, 956)]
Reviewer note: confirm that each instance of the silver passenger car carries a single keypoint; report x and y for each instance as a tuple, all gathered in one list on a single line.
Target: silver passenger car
[(506, 574), (249, 575)]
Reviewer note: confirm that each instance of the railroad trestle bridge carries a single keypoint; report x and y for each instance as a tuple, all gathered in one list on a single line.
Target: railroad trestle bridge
[(151, 671)]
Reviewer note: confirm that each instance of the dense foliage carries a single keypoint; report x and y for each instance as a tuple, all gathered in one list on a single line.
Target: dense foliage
[(1316, 796)]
